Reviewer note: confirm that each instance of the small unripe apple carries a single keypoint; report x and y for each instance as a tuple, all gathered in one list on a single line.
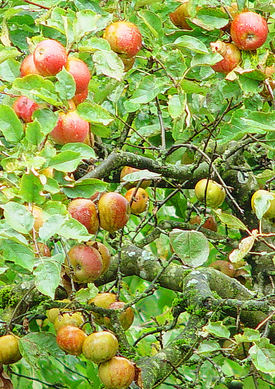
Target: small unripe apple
[(249, 30), (74, 319), (49, 57), (270, 213), (224, 266), (71, 339), (24, 108), (105, 254), (86, 263), (215, 193), (70, 128), (117, 373), (84, 210), (139, 202), (231, 56), (210, 223), (9, 349), (114, 211), (179, 16), (129, 170), (124, 38), (80, 97), (100, 346), (126, 318), (80, 72), (28, 66)]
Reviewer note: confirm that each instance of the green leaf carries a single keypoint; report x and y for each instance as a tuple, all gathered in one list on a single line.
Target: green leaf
[(109, 64), (51, 227), (244, 247), (47, 274), (10, 125), (85, 188), (84, 150), (176, 106), (93, 44), (191, 247), (94, 113), (33, 133), (262, 203), (263, 356), (8, 52), (149, 87), (152, 21), (7, 232), (65, 85), (55, 208), (18, 217), (191, 43), (249, 335), (85, 294), (193, 87), (17, 253), (144, 174), (72, 229), (66, 161), (217, 329), (30, 188), (230, 221), (9, 70), (86, 21), (102, 131), (47, 119), (206, 59), (208, 346), (210, 18)]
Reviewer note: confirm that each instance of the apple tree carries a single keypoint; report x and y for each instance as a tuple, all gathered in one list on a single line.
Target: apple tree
[(137, 202)]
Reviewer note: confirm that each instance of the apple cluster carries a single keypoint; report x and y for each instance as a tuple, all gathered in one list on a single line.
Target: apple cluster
[(248, 31)]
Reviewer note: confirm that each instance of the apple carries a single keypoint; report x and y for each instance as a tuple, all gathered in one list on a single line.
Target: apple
[(215, 193), (179, 16), (127, 62), (124, 38), (210, 223), (84, 210), (71, 339), (270, 213), (249, 30), (105, 254), (102, 300), (100, 346), (86, 263), (138, 203), (128, 170), (28, 66), (9, 349), (70, 128), (114, 211), (224, 266), (80, 72), (24, 108), (74, 319), (80, 97), (49, 57), (117, 373), (126, 318), (231, 56), (39, 217)]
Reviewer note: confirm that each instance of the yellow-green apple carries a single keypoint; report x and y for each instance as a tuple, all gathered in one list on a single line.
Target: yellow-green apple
[(117, 373), (138, 200), (215, 194), (100, 346), (9, 349)]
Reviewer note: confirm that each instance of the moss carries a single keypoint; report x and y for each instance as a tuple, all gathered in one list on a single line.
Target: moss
[(7, 297)]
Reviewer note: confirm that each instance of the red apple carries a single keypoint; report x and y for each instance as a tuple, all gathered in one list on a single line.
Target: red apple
[(71, 339), (70, 128), (105, 254), (117, 373), (231, 56), (100, 346), (86, 262), (49, 57), (139, 201), (80, 97), (80, 72), (249, 30), (28, 66), (84, 210), (210, 223), (179, 16), (24, 108), (114, 211), (124, 38)]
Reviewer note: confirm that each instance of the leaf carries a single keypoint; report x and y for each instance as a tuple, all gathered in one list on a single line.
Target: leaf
[(148, 89), (191, 247), (141, 175), (85, 294), (47, 274), (72, 229), (263, 356), (7, 232), (33, 133), (193, 87), (191, 43), (51, 227), (10, 125), (243, 249), (210, 18), (176, 106), (86, 21), (262, 202), (94, 113), (8, 52), (30, 188), (208, 346), (47, 119), (84, 150), (230, 221), (9, 70), (249, 335), (217, 329), (152, 22), (18, 253), (18, 217), (109, 64), (65, 85), (85, 188), (206, 59), (66, 161)]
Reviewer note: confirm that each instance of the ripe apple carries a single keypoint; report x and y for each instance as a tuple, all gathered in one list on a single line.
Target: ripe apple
[(139, 202), (86, 262), (117, 373), (224, 266), (270, 213), (102, 300), (70, 128), (128, 170), (231, 56), (105, 254), (80, 97), (100, 346), (71, 339), (124, 38), (74, 319), (114, 211), (215, 193), (210, 223), (49, 57), (24, 108), (28, 66), (84, 210), (80, 72), (126, 318), (179, 16), (249, 30), (9, 349)]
